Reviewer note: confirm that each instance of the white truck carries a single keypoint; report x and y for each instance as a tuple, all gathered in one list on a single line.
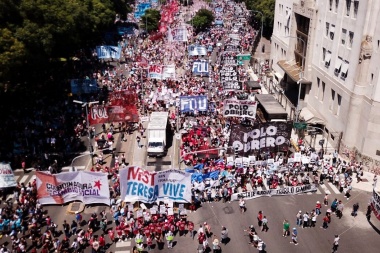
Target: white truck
[(157, 134)]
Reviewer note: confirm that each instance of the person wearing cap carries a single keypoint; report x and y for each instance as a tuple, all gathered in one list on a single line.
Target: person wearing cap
[(294, 236), (318, 207), (299, 218)]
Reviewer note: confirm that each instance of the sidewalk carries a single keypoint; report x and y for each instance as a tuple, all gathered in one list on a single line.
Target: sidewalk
[(367, 179)]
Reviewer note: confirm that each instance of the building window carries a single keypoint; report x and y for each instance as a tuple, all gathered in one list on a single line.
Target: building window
[(323, 91), (331, 4), (327, 59), (332, 31), (327, 28), (331, 107), (339, 103), (323, 54), (336, 5), (344, 34), (348, 7), (318, 87), (356, 8), (338, 66), (350, 39), (344, 70)]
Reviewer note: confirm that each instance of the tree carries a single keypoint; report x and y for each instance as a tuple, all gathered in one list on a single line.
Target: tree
[(266, 7), (202, 19), (150, 20)]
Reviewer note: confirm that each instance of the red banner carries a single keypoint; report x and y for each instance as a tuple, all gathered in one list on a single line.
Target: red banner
[(124, 97), (115, 113)]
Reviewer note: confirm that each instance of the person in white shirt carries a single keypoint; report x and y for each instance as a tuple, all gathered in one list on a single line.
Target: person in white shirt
[(335, 244)]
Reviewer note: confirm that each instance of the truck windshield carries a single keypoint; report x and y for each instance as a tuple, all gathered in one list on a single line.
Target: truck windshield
[(155, 144)]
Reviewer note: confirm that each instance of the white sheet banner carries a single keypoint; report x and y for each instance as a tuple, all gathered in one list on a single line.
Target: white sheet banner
[(85, 186), (145, 186), (168, 72), (7, 178), (289, 190), (240, 108), (155, 71), (196, 50), (180, 34)]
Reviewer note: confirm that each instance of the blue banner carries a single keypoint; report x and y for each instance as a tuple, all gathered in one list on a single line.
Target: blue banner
[(83, 86), (192, 103), (200, 68), (121, 30), (105, 52)]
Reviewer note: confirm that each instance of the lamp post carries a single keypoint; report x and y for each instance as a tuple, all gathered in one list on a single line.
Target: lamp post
[(261, 33), (86, 105), (301, 74)]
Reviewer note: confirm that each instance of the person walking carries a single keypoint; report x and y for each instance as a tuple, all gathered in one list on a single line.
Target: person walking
[(355, 209), (224, 235), (138, 139), (318, 207), (251, 231), (305, 220), (207, 229), (242, 205), (326, 200), (265, 225), (260, 218), (169, 238), (286, 227), (299, 218), (335, 244), (294, 236), (339, 211), (325, 221)]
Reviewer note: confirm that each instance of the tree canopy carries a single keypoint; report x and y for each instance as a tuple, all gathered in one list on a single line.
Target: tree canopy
[(266, 7), (150, 20), (37, 31), (202, 19)]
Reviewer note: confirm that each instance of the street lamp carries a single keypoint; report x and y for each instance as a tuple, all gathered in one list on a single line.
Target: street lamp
[(261, 33), (86, 105), (301, 74)]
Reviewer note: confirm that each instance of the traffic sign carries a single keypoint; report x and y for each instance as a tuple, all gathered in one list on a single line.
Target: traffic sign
[(243, 57), (300, 125)]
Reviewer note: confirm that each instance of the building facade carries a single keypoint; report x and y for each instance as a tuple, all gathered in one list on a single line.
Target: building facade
[(325, 55)]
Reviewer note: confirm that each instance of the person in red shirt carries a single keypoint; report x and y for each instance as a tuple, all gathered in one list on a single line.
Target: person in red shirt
[(182, 226), (201, 238), (260, 218), (190, 228), (111, 235), (102, 242), (318, 207)]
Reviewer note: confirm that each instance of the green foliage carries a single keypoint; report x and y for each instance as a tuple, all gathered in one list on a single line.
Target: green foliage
[(202, 19), (267, 7), (150, 20), (37, 31)]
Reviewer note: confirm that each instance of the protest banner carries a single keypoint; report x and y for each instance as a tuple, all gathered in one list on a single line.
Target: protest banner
[(200, 68), (288, 190), (87, 187), (116, 113), (239, 108), (145, 186), (375, 204), (232, 85), (155, 72), (83, 86), (197, 50), (192, 103), (232, 47), (7, 178), (269, 136), (227, 59), (180, 34), (107, 52), (229, 73), (168, 72)]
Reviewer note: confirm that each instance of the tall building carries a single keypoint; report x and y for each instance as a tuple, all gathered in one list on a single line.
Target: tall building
[(325, 57)]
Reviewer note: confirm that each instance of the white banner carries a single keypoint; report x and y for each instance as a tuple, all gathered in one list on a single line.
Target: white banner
[(85, 186), (145, 186), (289, 190), (180, 34), (7, 178), (168, 72), (239, 108)]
